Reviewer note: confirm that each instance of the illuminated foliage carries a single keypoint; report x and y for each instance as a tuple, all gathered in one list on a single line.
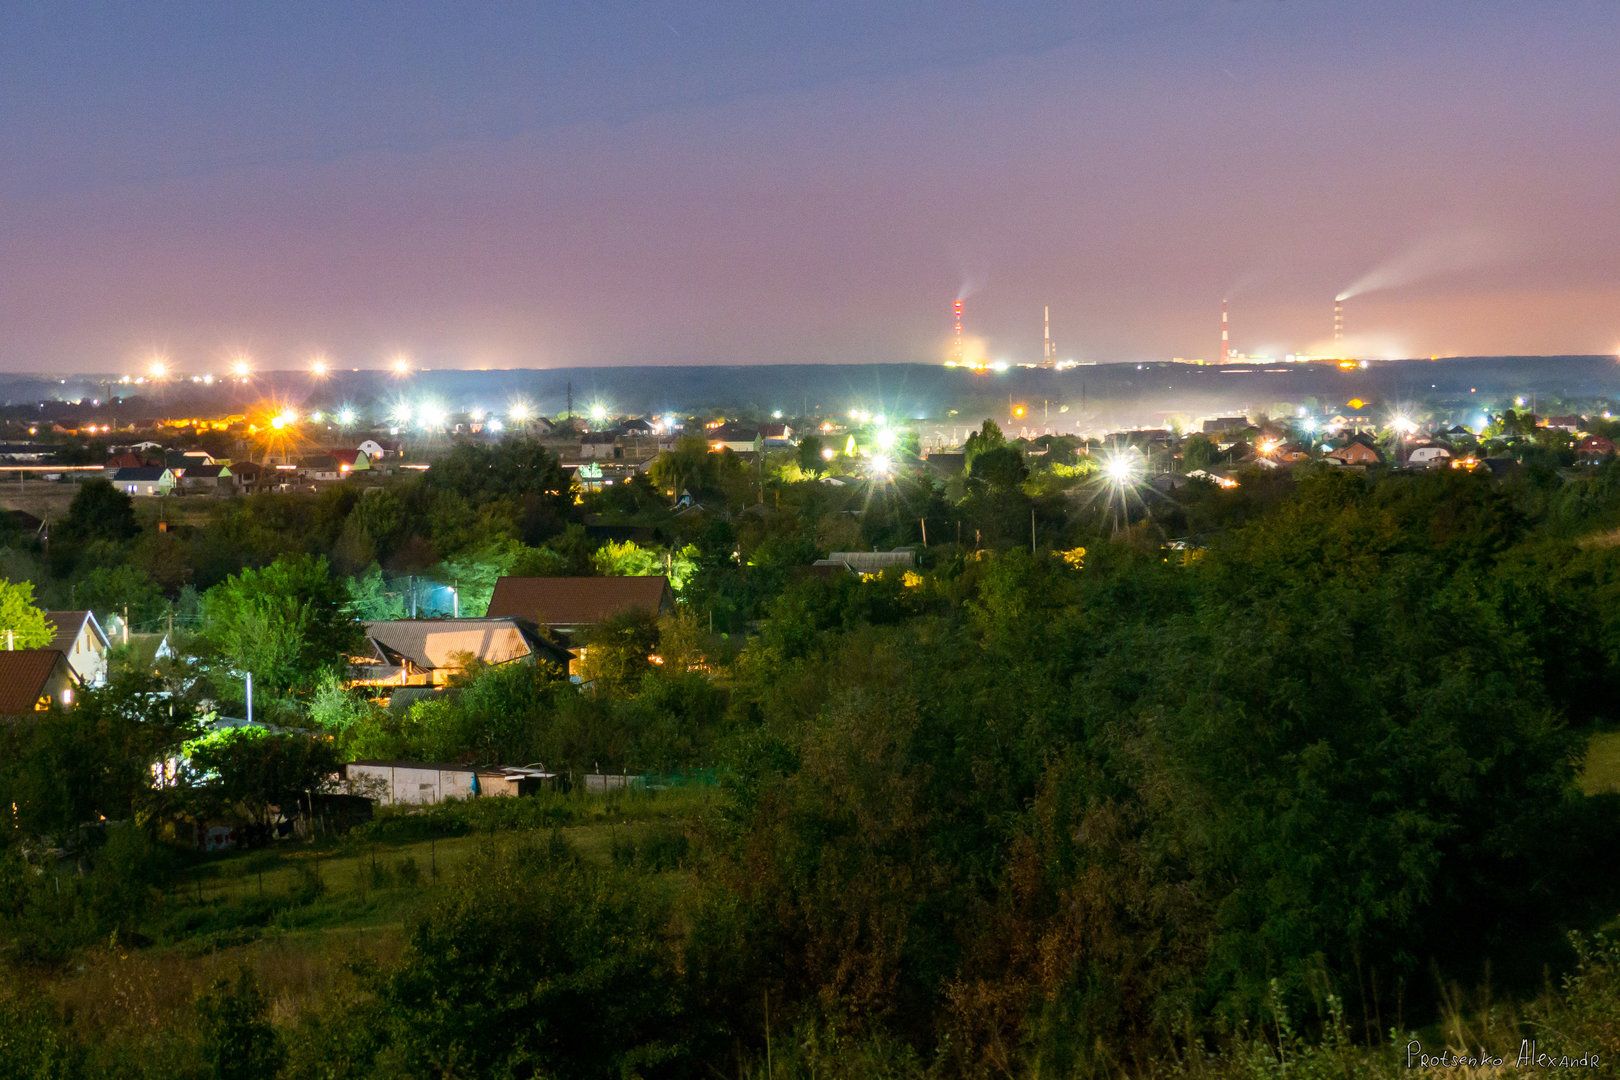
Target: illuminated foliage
[(287, 623), (21, 622)]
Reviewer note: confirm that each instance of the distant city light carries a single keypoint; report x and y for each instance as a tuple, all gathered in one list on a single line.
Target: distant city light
[(158, 368), (345, 417), (519, 412), (776, 414), (881, 465), (241, 368), (284, 419), (886, 439), (401, 366), (828, 453), (495, 425), (318, 368), (598, 412), (317, 417), (430, 416), (402, 413)]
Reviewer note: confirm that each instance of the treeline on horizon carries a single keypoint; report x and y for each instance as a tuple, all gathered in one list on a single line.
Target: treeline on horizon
[(1107, 807)]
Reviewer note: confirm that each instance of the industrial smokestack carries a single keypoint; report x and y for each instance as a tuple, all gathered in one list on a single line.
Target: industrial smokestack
[(1338, 320), (1226, 336), (1048, 354), (956, 340)]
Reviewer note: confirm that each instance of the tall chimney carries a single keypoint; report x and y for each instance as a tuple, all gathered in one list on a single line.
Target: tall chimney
[(1226, 336)]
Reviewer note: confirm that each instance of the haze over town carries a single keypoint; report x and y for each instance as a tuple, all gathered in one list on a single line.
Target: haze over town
[(732, 183), (878, 540)]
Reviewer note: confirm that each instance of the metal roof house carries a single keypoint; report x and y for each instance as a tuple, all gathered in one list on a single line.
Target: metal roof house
[(430, 652), (867, 563)]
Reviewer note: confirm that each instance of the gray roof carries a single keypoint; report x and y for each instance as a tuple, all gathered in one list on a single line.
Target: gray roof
[(871, 562), (148, 474), (437, 643)]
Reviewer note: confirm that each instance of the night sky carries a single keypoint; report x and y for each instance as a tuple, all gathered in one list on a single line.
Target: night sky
[(559, 184)]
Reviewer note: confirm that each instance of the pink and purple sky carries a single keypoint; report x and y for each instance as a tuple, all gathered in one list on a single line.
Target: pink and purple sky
[(548, 185)]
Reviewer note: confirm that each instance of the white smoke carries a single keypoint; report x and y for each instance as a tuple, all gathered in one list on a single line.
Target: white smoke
[(1432, 257)]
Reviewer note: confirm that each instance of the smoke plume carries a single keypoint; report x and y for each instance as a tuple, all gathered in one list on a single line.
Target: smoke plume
[(1429, 258)]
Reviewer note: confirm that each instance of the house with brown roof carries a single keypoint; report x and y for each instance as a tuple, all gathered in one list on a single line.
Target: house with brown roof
[(431, 652), (80, 638), (32, 680), (1354, 452), (569, 604), (1594, 448)]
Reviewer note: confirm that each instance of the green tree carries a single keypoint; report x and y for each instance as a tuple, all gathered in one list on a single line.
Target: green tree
[(1001, 468), (286, 623), (22, 625), (238, 1040), (99, 511), (1198, 452), (629, 559), (689, 466), (119, 589), (988, 437), (541, 967), (372, 599), (250, 770), (62, 770), (808, 454), (616, 651)]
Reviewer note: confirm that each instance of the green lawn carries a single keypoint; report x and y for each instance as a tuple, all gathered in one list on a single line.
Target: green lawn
[(1600, 773), (371, 880)]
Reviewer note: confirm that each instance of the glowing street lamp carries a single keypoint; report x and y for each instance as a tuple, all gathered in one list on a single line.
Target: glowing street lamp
[(598, 412), (241, 369), (881, 465), (520, 412), (158, 369), (1121, 470), (345, 417), (431, 415)]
